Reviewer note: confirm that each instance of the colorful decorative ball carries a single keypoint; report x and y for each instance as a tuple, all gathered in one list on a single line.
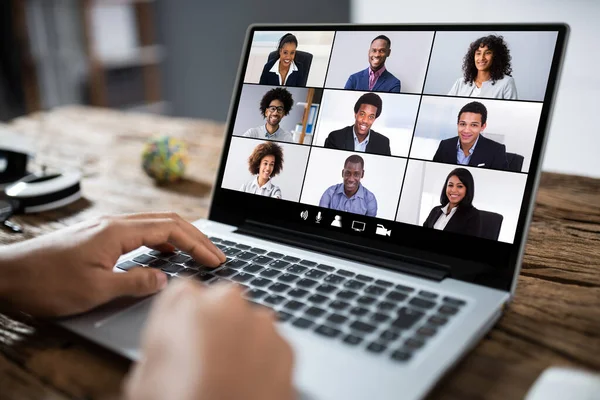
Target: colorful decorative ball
[(164, 159)]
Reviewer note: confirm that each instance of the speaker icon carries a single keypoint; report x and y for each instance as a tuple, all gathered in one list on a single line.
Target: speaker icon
[(304, 214)]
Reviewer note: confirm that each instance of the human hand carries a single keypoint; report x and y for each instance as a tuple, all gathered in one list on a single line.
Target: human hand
[(70, 271), (209, 343)]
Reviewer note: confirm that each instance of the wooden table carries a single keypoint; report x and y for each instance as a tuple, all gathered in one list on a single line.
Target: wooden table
[(554, 319)]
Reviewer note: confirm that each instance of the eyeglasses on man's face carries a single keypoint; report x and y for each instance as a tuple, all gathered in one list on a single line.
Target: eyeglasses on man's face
[(279, 109)]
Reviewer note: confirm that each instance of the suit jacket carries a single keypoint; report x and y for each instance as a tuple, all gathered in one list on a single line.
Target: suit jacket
[(296, 78), (386, 82), (343, 139), (465, 220), (487, 152)]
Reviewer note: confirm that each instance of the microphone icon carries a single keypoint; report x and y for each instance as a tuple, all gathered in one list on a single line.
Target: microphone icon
[(318, 217)]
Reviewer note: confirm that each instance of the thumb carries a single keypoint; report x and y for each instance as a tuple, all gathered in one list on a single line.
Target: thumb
[(137, 282)]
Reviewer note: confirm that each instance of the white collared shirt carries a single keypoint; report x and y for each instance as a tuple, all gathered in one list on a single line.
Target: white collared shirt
[(443, 220), (268, 189), (361, 146), (275, 69)]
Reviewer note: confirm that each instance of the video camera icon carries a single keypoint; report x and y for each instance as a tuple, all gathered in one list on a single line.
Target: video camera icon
[(382, 231)]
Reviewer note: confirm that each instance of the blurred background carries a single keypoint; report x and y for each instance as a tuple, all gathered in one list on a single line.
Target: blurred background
[(180, 57)]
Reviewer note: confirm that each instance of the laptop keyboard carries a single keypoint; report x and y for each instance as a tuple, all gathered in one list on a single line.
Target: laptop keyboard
[(376, 315)]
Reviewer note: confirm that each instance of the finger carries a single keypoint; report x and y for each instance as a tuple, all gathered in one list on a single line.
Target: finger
[(186, 226), (133, 233), (137, 282)]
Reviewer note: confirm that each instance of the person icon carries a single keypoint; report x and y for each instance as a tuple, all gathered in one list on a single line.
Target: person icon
[(337, 221)]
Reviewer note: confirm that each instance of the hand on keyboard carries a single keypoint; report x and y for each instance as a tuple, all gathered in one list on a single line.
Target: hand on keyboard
[(70, 271), (209, 343)]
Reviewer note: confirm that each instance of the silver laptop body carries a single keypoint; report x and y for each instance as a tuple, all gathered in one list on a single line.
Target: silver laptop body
[(422, 313)]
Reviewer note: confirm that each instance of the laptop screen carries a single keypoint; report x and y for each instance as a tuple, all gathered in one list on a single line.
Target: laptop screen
[(418, 140)]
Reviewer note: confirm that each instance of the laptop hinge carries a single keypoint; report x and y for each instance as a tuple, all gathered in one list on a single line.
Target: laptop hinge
[(367, 255)]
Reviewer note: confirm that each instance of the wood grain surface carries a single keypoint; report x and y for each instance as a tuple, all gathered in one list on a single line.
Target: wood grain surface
[(553, 321)]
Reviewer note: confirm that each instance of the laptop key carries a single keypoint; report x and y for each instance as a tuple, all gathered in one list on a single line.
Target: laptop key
[(325, 288), (270, 273), (308, 263), (396, 296), (427, 294), (298, 293), (317, 299), (236, 264), (179, 258), (328, 331), (453, 301), (447, 310), (365, 300), (426, 331), (220, 246), (293, 305), (302, 323), (158, 263), (406, 318), (215, 239), (403, 288), (376, 347), (353, 284), (352, 340), (253, 268), (388, 336), (375, 290), (314, 312), (144, 259), (255, 293), (279, 287), (279, 264), (385, 306), (262, 260), (401, 355), (243, 246), (413, 343), (346, 294), (345, 273), (246, 256), (192, 264), (187, 273), (307, 283), (231, 251), (437, 320), (381, 282), (315, 274), (379, 317), (359, 311), (339, 305), (228, 243), (274, 254), (172, 268), (204, 276), (415, 301), (283, 316), (274, 299), (334, 279), (288, 278), (225, 272), (337, 319), (326, 268), (261, 282), (242, 277), (127, 265), (297, 269), (364, 278), (258, 250), (363, 327), (291, 259)]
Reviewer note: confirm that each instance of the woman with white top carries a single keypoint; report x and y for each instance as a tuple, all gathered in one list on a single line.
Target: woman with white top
[(487, 71), (456, 212), (284, 70), (265, 162)]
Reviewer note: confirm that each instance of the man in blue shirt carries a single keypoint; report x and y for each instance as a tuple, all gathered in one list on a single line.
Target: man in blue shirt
[(376, 78), (351, 196)]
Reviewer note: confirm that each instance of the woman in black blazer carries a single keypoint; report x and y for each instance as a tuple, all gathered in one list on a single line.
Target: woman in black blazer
[(457, 213), (284, 71)]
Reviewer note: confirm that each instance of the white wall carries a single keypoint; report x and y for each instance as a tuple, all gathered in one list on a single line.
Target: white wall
[(574, 140)]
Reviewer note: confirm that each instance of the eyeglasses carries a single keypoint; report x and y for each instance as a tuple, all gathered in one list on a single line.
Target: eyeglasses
[(279, 109)]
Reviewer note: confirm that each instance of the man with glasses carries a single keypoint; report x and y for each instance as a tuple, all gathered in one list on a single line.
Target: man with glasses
[(351, 196), (274, 105)]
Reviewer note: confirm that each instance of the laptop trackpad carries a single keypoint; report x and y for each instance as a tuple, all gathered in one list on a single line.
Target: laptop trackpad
[(123, 328)]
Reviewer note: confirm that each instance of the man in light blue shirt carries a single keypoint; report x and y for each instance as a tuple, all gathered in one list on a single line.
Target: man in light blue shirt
[(351, 196)]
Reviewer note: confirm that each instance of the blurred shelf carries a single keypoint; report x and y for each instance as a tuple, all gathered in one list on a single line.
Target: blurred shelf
[(145, 55)]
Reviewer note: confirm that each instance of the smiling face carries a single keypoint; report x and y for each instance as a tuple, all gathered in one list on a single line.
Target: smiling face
[(352, 174), (266, 168), (455, 191), (483, 58), (274, 113), (287, 53), (469, 128), (363, 119), (378, 52)]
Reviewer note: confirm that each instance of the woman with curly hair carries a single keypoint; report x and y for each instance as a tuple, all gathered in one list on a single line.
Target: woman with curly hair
[(265, 162), (487, 71)]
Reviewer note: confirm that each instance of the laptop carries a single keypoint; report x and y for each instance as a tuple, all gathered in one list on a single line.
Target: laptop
[(382, 212)]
